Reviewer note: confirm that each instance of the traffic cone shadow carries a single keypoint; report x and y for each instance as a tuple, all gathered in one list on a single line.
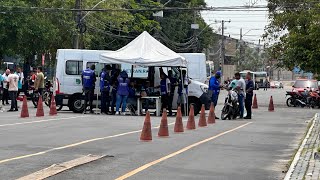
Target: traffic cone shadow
[(191, 124), (146, 133), (40, 112), (271, 105), (212, 115), (178, 126), (24, 110), (53, 107), (255, 102), (164, 130), (202, 119)]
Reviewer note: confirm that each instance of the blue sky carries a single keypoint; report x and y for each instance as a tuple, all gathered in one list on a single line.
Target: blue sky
[(253, 23)]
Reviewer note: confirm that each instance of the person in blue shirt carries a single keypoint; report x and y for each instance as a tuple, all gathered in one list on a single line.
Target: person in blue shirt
[(88, 77), (105, 80), (164, 90), (249, 95), (214, 86)]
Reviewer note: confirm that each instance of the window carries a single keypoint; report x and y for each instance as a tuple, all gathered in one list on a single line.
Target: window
[(74, 67)]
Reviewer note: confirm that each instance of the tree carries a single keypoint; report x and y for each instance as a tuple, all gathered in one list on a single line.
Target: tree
[(254, 59), (294, 31)]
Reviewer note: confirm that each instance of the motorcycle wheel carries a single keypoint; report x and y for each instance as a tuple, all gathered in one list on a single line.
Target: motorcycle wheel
[(290, 102), (47, 98), (225, 113), (34, 99), (313, 103)]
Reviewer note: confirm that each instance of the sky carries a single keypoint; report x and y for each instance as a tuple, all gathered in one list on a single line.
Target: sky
[(252, 23)]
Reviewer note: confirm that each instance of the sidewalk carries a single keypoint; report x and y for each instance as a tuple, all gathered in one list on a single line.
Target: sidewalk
[(306, 164)]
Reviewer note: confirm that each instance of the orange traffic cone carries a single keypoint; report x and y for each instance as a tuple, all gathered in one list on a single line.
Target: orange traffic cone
[(191, 124), (255, 102), (53, 107), (40, 111), (202, 119), (212, 115), (146, 133), (24, 111), (164, 130), (271, 106), (178, 127)]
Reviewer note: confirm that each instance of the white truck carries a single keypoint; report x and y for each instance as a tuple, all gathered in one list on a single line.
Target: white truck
[(71, 63)]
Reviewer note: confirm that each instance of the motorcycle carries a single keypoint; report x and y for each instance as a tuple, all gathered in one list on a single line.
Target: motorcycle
[(231, 106), (46, 95), (302, 99)]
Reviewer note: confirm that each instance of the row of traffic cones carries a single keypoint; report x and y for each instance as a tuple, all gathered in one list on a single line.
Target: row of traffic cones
[(255, 104), (146, 134), (40, 111)]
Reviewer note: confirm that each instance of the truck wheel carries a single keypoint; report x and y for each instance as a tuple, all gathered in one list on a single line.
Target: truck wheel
[(196, 105), (76, 104)]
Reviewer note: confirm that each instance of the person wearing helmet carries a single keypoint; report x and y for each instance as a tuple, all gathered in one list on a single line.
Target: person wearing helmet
[(214, 87)]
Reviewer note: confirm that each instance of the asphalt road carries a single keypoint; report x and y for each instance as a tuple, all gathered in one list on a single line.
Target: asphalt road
[(256, 149)]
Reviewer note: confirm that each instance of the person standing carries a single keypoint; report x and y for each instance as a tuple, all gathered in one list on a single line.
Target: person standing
[(5, 97), (114, 81), (88, 77), (173, 82), (183, 91), (164, 90), (21, 80), (241, 87), (105, 79), (214, 87), (1, 89), (13, 90), (39, 82), (266, 83), (122, 92), (249, 95)]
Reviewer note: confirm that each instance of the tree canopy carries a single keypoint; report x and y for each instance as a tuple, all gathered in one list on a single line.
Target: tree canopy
[(29, 33), (293, 32)]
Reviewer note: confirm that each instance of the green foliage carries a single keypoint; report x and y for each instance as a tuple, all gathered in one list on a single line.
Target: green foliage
[(295, 29), (252, 59), (30, 33)]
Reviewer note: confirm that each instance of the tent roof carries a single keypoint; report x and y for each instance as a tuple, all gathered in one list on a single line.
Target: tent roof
[(145, 51)]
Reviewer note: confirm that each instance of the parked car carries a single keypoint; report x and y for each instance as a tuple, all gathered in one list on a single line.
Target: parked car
[(301, 85)]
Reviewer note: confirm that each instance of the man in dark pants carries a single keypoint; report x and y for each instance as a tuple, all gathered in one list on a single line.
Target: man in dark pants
[(5, 97), (249, 95), (88, 77), (105, 79), (164, 90), (114, 75), (173, 82)]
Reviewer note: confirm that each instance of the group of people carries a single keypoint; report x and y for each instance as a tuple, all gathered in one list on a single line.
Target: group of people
[(11, 85), (244, 87), (117, 90)]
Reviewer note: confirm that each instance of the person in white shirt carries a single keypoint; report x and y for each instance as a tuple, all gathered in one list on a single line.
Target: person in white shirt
[(21, 80), (13, 90), (241, 87), (5, 97)]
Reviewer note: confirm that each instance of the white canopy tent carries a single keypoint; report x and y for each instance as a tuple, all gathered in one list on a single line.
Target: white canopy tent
[(145, 50)]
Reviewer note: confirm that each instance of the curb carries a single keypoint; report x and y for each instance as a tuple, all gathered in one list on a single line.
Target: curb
[(298, 154)]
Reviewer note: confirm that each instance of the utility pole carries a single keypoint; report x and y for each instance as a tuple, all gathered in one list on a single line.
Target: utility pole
[(77, 19), (241, 48), (81, 27), (222, 49)]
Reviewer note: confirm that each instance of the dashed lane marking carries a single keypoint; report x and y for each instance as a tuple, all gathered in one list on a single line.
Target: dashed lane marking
[(144, 167)]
